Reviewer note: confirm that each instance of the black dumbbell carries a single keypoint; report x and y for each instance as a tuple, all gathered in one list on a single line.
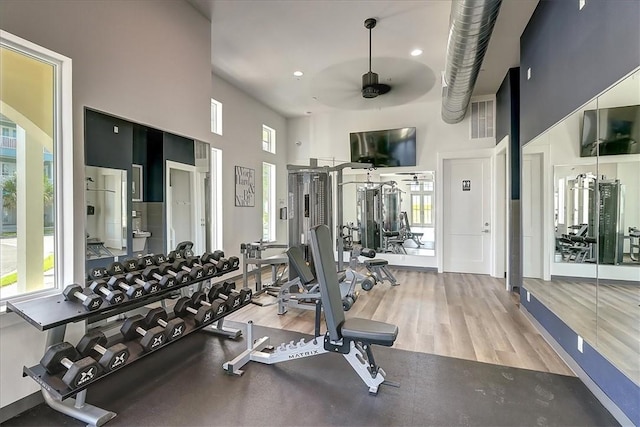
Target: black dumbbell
[(89, 302), (245, 293), (150, 286), (98, 273), (116, 269), (202, 315), (180, 276), (130, 265), (230, 297), (175, 256), (195, 273), (209, 268), (151, 339), (159, 259), (153, 273), (118, 281), (111, 358), (64, 356), (111, 296), (173, 328), (217, 258), (145, 261), (134, 291), (234, 262), (218, 306)]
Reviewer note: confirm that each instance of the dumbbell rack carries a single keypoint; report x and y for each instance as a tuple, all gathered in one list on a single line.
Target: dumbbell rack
[(53, 313)]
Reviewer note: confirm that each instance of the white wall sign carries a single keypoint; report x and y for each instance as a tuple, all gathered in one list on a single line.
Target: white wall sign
[(245, 186)]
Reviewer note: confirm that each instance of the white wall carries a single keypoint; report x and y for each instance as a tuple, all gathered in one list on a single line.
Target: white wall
[(241, 145), (326, 136), (148, 62)]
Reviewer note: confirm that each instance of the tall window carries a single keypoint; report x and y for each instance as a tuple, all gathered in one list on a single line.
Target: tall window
[(216, 116), (268, 202), (268, 139), (36, 203), (422, 203)]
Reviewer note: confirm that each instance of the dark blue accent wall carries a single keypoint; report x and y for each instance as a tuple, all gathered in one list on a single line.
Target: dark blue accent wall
[(508, 123), (574, 55), (105, 148)]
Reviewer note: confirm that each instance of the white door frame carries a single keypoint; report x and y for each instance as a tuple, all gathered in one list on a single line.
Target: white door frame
[(503, 148), (468, 154), (195, 202), (548, 237)]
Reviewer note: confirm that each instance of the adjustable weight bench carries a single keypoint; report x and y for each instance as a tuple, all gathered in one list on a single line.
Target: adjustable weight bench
[(352, 338), (378, 268), (304, 290)]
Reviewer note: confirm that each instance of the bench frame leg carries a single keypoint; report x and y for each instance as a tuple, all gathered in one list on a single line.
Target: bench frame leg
[(359, 357)]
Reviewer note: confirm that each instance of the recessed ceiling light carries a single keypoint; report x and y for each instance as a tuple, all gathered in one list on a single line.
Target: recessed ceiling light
[(298, 73), (416, 52)]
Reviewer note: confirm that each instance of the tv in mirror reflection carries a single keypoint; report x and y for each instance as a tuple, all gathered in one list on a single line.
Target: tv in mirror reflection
[(616, 132), (384, 148)]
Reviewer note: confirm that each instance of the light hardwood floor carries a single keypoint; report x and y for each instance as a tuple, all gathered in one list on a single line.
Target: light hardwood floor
[(607, 316), (458, 315)]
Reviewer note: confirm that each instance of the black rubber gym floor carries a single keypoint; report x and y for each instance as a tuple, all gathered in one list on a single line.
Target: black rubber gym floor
[(184, 385)]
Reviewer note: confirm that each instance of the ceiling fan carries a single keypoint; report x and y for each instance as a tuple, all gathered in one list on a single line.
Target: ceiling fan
[(370, 86)]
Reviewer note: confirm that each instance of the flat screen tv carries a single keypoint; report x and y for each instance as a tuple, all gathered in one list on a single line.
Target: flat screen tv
[(384, 148), (618, 133)]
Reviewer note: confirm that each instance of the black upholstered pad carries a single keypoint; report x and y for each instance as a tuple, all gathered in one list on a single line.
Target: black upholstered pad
[(374, 262), (370, 331), (299, 265)]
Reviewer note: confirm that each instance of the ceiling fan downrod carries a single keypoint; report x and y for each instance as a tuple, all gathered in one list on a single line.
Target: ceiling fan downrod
[(370, 86)]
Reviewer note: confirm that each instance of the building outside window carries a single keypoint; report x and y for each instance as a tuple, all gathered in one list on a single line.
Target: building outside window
[(32, 259)]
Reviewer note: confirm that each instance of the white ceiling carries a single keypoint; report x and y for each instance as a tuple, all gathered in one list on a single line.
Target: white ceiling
[(257, 45)]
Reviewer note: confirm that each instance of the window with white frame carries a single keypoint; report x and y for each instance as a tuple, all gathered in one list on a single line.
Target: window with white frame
[(268, 139), (268, 202), (422, 199), (36, 203), (216, 117)]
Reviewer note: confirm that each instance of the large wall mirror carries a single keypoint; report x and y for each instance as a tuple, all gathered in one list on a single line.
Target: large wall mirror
[(581, 222), (391, 212), (106, 198)]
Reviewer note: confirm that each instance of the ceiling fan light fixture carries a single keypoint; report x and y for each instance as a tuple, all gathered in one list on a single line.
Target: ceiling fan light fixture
[(369, 83)]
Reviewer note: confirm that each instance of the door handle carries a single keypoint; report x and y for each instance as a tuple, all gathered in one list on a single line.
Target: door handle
[(486, 230), (486, 227)]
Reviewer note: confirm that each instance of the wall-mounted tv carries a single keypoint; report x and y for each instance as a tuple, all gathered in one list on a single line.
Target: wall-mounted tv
[(618, 133), (382, 148)]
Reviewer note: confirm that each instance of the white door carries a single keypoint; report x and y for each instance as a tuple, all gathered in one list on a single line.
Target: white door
[(467, 213), (532, 213), (201, 208), (181, 209), (112, 211)]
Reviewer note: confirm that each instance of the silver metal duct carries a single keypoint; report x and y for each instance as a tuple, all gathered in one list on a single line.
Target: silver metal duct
[(472, 22)]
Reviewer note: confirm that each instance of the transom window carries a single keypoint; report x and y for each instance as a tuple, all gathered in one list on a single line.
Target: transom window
[(268, 139), (216, 117)]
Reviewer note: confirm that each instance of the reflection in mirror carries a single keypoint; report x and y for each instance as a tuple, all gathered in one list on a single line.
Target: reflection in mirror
[(590, 210), (106, 198), (618, 325), (391, 212)]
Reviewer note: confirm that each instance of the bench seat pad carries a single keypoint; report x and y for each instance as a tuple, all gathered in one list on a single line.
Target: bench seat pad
[(370, 331), (375, 262)]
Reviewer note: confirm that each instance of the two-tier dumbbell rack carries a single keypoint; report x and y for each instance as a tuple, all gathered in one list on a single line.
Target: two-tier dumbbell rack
[(53, 313)]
